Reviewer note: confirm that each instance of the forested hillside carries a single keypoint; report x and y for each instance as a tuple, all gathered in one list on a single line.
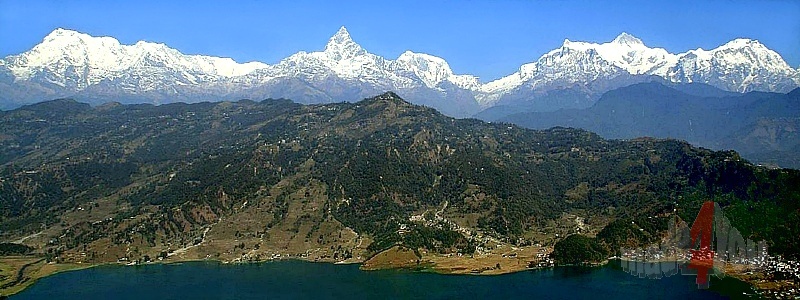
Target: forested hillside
[(137, 181)]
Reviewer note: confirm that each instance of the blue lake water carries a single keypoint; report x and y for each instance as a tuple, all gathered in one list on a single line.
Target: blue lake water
[(304, 280)]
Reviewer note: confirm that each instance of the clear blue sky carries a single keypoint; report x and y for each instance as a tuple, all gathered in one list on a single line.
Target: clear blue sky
[(486, 38)]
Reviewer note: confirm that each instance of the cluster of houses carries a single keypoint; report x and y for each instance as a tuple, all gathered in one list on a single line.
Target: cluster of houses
[(436, 220), (543, 260), (791, 268), (788, 270), (754, 257)]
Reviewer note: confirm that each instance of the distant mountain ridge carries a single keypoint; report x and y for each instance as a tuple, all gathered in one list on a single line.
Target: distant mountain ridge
[(762, 126), (100, 69)]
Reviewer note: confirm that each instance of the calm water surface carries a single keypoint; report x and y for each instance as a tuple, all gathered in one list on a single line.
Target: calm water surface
[(303, 280)]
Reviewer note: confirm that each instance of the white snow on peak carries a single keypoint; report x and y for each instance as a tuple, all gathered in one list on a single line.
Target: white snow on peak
[(344, 58), (582, 62), (740, 43), (430, 69), (739, 65), (61, 34), (71, 57), (630, 54), (627, 39), (75, 61), (625, 51), (341, 46)]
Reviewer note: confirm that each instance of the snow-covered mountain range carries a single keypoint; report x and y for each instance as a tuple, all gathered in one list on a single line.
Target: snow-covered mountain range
[(72, 64)]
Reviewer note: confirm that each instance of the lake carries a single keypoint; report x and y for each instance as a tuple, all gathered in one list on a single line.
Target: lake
[(297, 279)]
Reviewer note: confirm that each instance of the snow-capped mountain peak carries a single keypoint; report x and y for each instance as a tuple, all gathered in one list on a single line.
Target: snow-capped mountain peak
[(625, 51), (68, 63), (76, 60), (742, 42), (73, 46), (739, 65), (433, 70), (569, 45), (62, 50), (580, 63), (631, 54), (62, 33), (627, 39), (430, 69), (341, 36), (341, 46)]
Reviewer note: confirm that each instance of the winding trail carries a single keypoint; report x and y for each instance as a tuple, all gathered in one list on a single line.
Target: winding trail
[(184, 249), (20, 241)]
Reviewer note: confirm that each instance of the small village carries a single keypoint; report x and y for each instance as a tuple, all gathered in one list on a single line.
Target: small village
[(767, 268)]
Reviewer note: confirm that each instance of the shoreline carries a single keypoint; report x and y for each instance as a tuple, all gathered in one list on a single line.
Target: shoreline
[(426, 267), (45, 269)]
